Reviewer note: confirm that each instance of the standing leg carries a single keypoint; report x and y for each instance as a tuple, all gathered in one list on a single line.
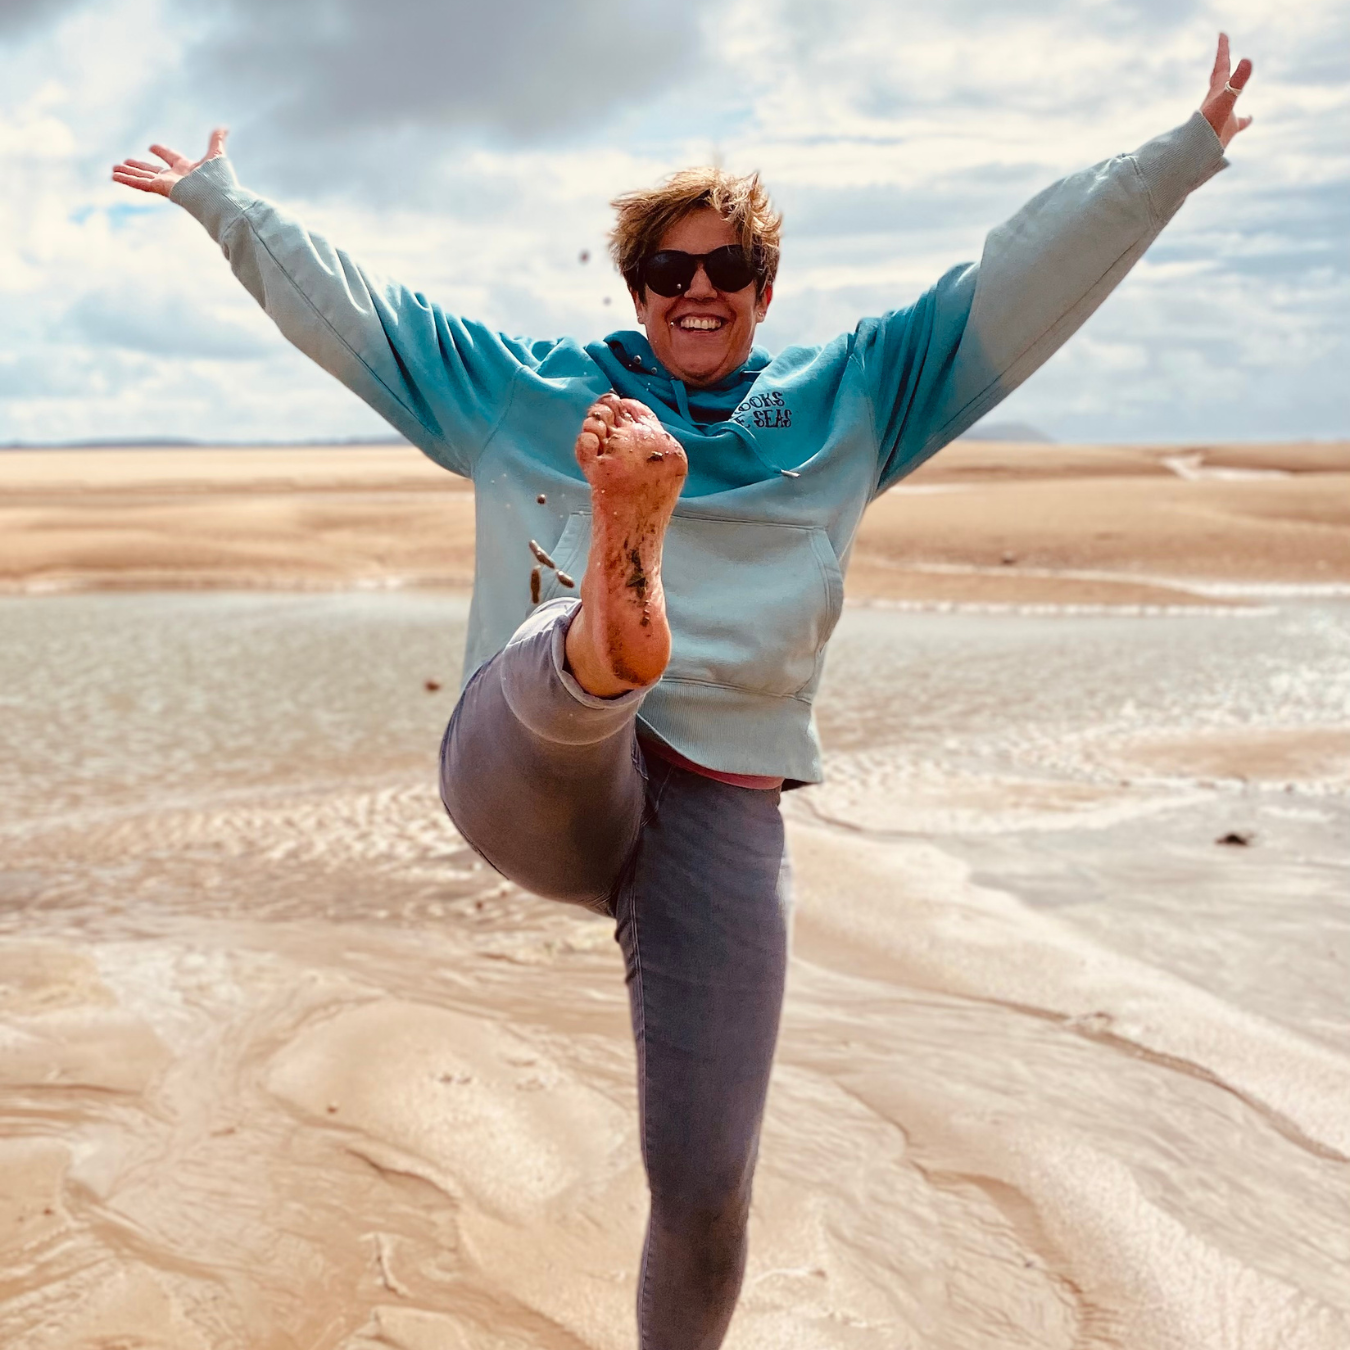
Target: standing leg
[(703, 922)]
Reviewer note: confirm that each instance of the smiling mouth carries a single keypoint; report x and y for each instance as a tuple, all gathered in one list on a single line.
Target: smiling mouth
[(699, 323)]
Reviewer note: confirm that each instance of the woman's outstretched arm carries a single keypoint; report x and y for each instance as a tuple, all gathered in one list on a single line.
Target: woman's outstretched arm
[(442, 381), (937, 367)]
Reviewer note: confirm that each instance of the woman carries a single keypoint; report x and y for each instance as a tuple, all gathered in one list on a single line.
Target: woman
[(626, 749)]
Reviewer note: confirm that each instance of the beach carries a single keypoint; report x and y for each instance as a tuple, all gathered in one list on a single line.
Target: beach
[(1065, 1060), (983, 522)]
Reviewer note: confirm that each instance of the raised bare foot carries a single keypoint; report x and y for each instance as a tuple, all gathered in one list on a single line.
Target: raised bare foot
[(619, 639)]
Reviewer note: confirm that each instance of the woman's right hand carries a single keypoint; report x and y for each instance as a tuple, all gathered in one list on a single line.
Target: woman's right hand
[(135, 173)]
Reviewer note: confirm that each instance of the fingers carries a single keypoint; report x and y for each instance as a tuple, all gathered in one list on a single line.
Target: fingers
[(1224, 87), (1219, 75), (175, 159), (136, 179), (1220, 103), (133, 168)]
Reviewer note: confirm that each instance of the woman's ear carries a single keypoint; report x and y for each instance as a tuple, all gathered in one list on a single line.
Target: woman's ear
[(762, 302), (639, 305)]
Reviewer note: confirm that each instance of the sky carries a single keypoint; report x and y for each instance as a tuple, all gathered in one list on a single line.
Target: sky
[(470, 150)]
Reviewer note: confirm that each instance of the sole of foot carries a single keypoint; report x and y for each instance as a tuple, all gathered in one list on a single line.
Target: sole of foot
[(619, 639)]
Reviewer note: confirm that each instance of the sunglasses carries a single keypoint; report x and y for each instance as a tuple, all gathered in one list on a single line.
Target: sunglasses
[(671, 272)]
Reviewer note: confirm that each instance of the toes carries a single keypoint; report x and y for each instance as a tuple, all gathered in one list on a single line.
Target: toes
[(639, 412), (588, 447), (607, 408), (596, 430), (609, 415)]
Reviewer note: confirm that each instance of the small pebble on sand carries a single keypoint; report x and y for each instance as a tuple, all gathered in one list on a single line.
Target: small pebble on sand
[(431, 686), (1236, 838)]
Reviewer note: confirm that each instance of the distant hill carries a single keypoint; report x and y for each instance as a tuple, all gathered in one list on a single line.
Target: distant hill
[(1006, 431)]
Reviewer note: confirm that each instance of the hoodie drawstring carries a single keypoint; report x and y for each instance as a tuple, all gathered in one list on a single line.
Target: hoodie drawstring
[(682, 405), (748, 437), (682, 400)]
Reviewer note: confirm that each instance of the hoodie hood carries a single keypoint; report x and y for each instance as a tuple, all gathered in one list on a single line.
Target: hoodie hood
[(722, 452), (631, 353)]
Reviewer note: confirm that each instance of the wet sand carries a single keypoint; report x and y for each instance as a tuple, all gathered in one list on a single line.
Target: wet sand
[(282, 1065)]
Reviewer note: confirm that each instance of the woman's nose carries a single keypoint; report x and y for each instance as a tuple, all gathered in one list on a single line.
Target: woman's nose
[(700, 287)]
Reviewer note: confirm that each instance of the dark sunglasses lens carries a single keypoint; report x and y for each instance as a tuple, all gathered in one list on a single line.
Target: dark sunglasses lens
[(729, 269), (669, 273)]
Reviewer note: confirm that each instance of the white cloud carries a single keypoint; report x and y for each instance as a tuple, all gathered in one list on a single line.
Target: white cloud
[(894, 135)]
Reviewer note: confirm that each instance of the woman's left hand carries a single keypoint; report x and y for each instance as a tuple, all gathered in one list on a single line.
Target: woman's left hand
[(1224, 86)]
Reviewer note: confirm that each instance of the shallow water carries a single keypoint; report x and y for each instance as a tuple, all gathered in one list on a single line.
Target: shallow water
[(226, 754), (1058, 1069), (1090, 763)]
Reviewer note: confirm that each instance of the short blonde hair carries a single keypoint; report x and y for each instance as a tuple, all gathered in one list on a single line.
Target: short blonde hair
[(742, 201)]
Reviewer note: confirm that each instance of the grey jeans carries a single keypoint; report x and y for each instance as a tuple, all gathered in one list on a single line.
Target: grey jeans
[(550, 785)]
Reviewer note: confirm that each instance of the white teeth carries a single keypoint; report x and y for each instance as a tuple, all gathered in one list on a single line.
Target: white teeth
[(699, 321)]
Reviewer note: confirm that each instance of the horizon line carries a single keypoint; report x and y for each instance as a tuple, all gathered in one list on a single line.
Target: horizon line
[(353, 442)]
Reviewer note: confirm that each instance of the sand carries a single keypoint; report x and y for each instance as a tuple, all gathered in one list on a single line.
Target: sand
[(283, 1065), (982, 522), (233, 518)]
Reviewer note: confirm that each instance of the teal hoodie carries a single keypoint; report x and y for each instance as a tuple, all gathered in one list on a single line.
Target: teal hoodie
[(784, 454)]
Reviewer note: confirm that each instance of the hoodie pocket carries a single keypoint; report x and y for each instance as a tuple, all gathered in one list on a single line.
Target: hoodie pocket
[(751, 603)]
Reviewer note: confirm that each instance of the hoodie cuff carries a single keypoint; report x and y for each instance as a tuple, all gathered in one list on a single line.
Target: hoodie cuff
[(212, 194), (1176, 163)]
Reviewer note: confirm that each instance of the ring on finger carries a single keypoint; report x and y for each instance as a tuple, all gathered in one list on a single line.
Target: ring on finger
[(1228, 89)]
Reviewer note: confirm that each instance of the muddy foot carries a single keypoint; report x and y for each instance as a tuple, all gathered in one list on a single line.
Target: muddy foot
[(619, 639)]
